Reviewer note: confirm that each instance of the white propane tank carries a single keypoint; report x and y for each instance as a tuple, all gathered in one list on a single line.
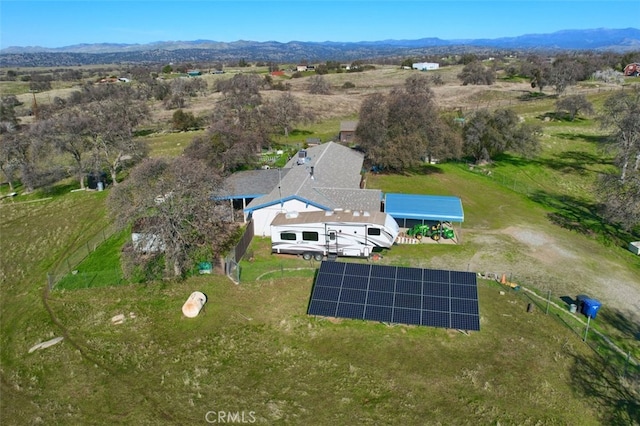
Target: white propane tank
[(194, 304)]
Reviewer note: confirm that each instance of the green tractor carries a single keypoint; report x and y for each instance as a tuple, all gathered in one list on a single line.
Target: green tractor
[(435, 232)]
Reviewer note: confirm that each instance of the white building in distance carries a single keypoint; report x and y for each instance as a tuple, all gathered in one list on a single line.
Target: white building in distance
[(425, 66)]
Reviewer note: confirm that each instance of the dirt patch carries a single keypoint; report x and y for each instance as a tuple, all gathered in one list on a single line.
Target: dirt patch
[(546, 256)]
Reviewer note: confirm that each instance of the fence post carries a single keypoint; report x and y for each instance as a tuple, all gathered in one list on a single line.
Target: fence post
[(548, 301), (586, 330)]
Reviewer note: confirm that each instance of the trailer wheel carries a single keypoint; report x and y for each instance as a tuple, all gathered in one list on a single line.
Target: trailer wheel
[(318, 257), (307, 256)]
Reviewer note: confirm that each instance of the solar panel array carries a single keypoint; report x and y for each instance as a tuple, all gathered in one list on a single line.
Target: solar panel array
[(394, 294)]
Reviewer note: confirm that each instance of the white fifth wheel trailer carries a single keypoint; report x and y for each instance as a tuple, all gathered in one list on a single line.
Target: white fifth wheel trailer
[(340, 233)]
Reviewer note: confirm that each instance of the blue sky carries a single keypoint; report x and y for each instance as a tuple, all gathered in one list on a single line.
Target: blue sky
[(63, 23)]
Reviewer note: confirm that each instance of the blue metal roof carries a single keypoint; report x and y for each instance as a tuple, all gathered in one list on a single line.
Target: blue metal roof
[(424, 207)]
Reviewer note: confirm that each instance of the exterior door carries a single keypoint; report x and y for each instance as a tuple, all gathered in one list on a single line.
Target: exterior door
[(332, 241)]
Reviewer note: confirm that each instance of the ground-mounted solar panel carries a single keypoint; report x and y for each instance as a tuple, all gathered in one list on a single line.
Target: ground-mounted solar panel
[(348, 295), (357, 269), (410, 301), (428, 297), (326, 293), (329, 280), (406, 316), (434, 303), (378, 313), (464, 292), (436, 319), (436, 275), (379, 298), (332, 268), (381, 284), (463, 278), (383, 271), (323, 308), (465, 322), (350, 310), (409, 287), (413, 274), (436, 289), (351, 281), (464, 306)]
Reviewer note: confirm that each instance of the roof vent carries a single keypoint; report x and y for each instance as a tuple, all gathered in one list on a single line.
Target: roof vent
[(328, 213), (366, 214), (356, 213), (291, 215)]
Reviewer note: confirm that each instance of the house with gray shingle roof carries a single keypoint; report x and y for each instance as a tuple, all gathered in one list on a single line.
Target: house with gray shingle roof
[(327, 179)]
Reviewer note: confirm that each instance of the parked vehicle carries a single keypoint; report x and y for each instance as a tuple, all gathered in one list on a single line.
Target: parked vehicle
[(435, 232), (339, 233)]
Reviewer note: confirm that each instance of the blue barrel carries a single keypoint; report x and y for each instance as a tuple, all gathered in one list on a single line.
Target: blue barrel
[(591, 307)]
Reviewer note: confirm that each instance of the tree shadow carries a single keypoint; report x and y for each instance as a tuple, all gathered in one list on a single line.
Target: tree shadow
[(426, 169), (594, 139), (620, 322), (581, 216), (533, 96), (300, 132), (618, 402), (574, 162), (562, 116), (568, 300)]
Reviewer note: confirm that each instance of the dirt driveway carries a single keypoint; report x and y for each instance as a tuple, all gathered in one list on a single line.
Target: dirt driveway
[(547, 262)]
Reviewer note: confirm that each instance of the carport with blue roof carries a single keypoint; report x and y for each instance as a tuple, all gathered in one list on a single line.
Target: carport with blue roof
[(411, 209)]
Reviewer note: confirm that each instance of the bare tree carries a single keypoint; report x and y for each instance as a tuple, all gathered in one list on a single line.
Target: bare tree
[(241, 91), (9, 121), (175, 201), (538, 69), (284, 112), (622, 115), (476, 73), (114, 122), (227, 146), (318, 85), (71, 132), (620, 200), (564, 73), (9, 162), (25, 152), (573, 105)]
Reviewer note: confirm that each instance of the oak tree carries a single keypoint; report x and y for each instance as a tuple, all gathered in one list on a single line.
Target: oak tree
[(487, 134), (174, 202), (573, 105)]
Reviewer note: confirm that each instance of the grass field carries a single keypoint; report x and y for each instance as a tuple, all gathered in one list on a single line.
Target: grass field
[(254, 350)]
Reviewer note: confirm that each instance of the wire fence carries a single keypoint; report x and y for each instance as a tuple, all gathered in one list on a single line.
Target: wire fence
[(66, 270), (617, 353), (79, 280)]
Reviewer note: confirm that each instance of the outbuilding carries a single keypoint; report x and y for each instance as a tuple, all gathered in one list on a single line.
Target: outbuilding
[(425, 66), (413, 209)]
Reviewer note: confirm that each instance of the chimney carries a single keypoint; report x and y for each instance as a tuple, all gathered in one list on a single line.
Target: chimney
[(312, 172)]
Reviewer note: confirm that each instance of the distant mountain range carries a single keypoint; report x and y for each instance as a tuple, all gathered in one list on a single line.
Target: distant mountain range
[(619, 40)]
